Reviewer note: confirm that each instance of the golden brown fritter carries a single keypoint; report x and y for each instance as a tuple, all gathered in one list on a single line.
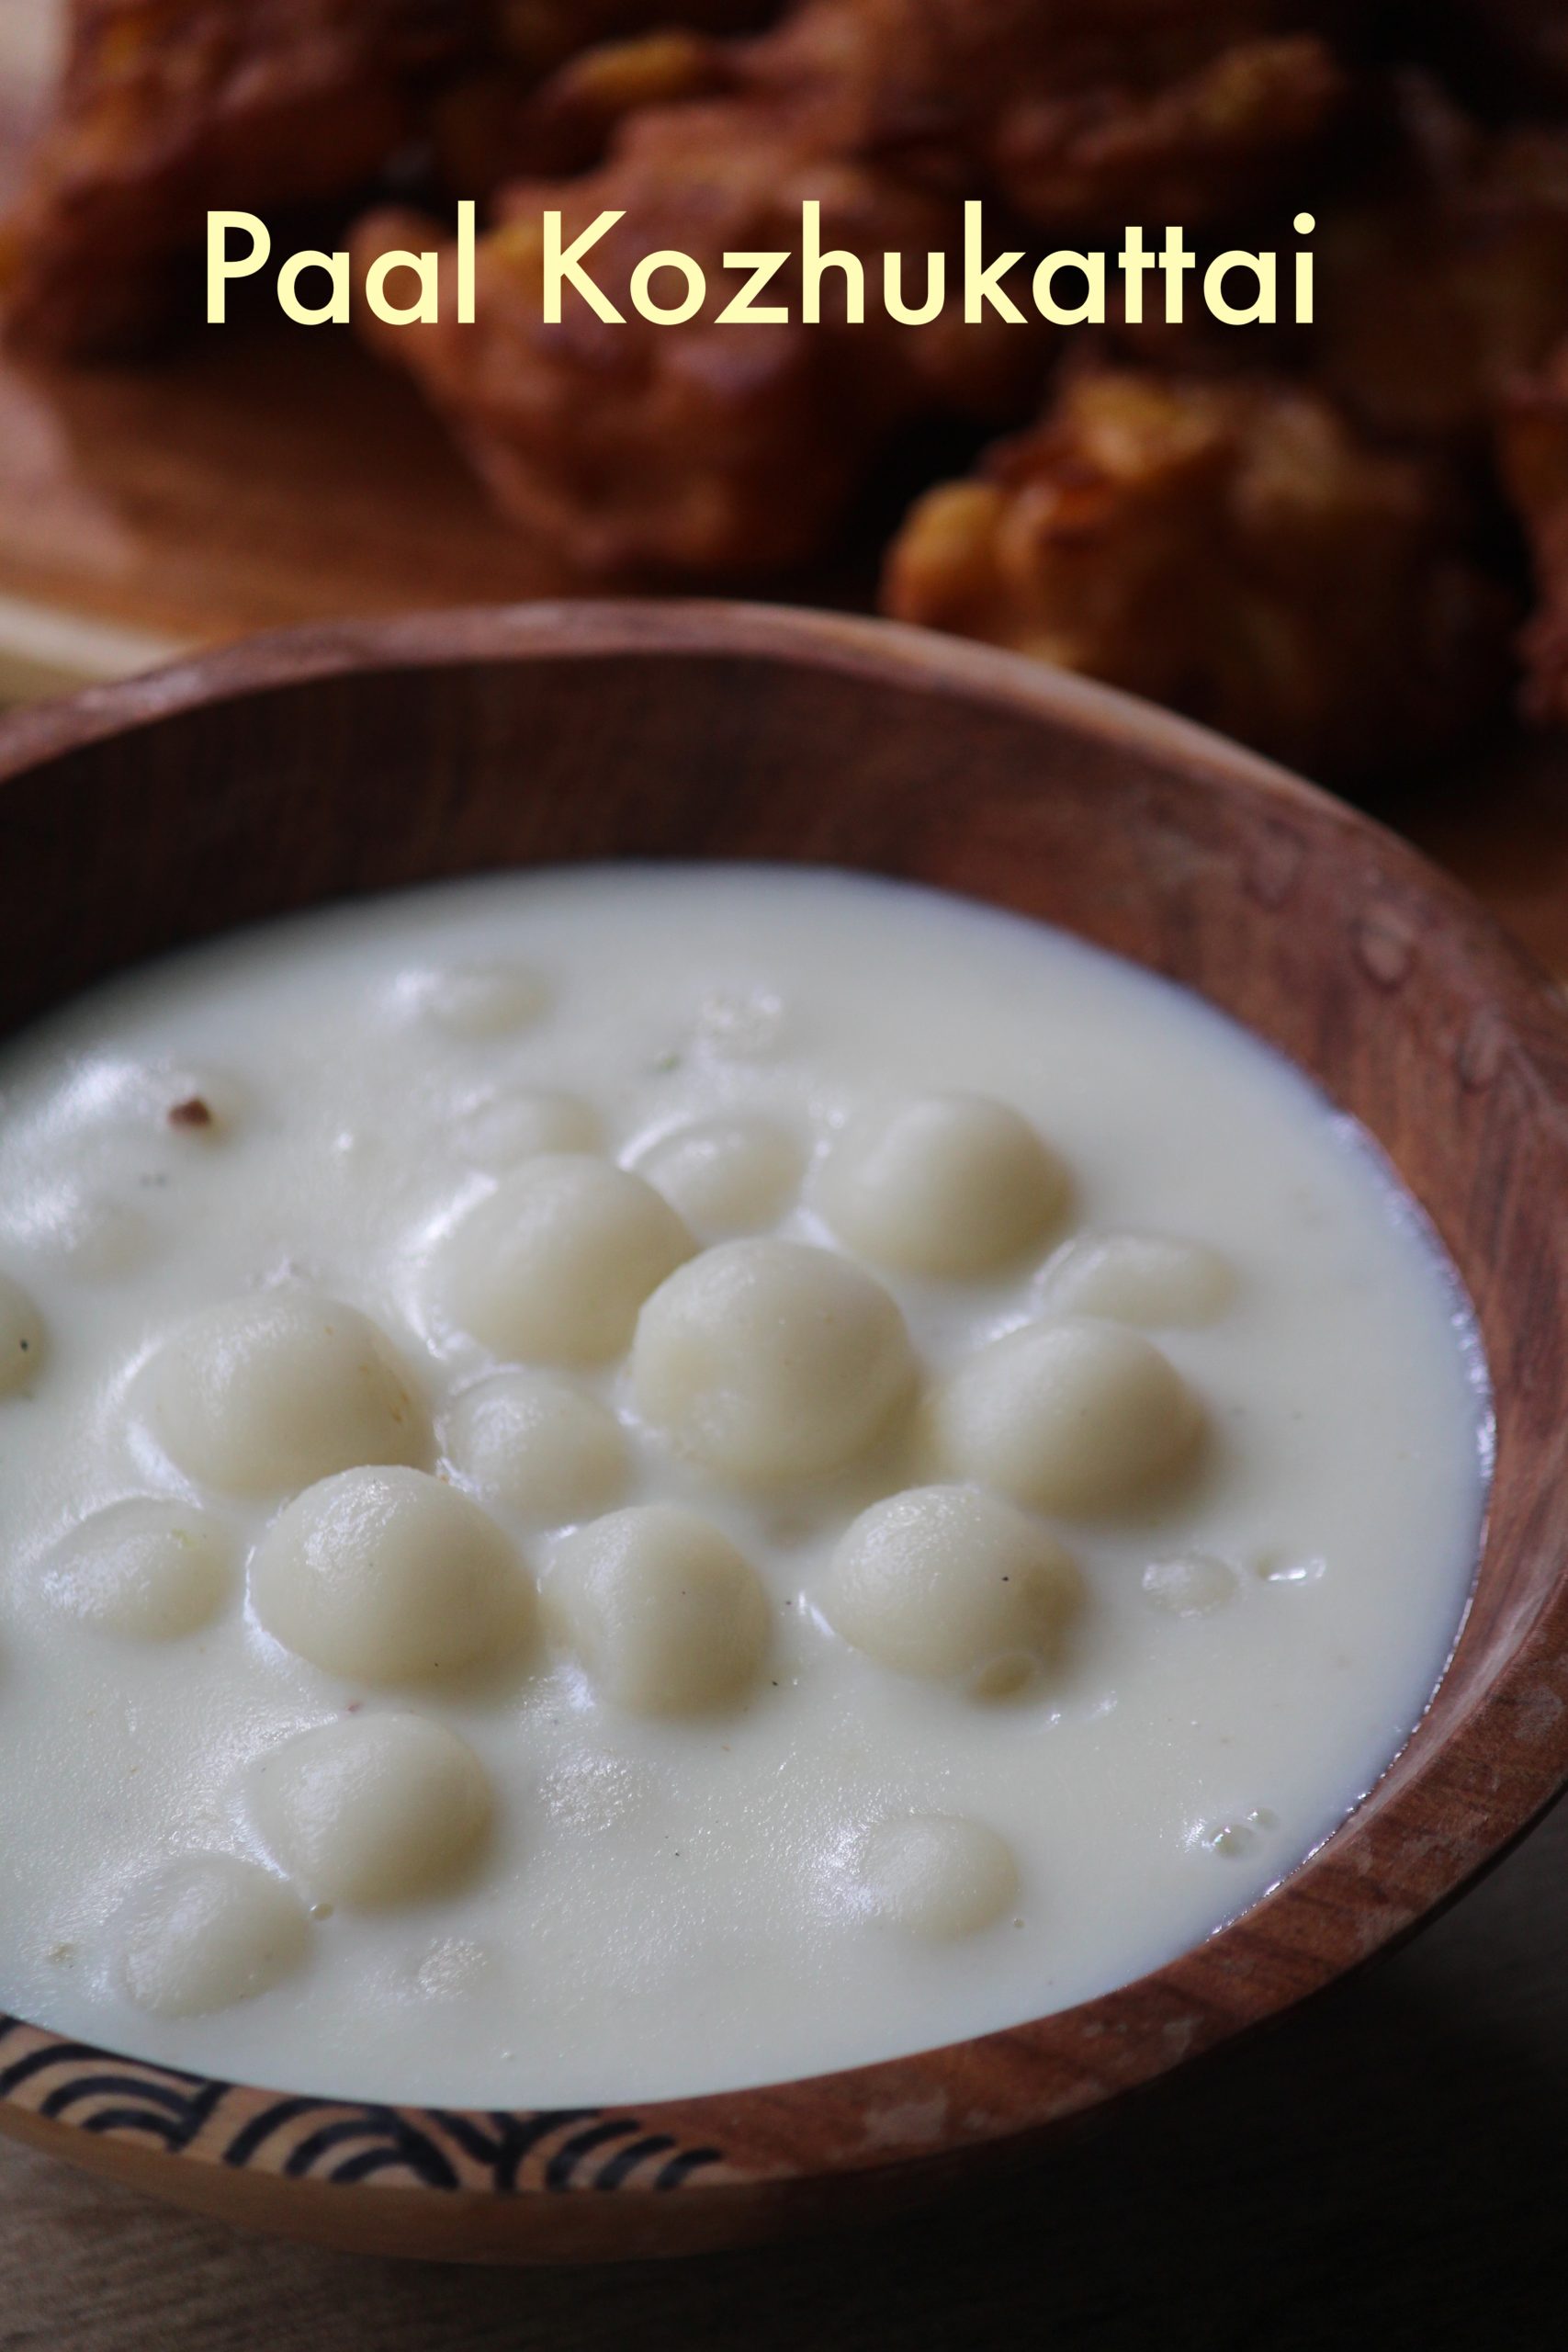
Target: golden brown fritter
[(1076, 113), (1287, 558), (555, 77), (489, 126), (634, 446), (1073, 112), (534, 37), (170, 107), (1534, 449), (1225, 134), (707, 447), (1233, 549)]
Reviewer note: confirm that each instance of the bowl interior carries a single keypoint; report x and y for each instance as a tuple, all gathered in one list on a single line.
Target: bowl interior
[(332, 763)]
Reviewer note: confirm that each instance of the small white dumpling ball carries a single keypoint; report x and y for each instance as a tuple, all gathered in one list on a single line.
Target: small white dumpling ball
[(938, 1874), (481, 1001), (522, 1122), (665, 1615), (944, 1185), (147, 1567), (729, 1175), (205, 1933), (1077, 1416), (1152, 1278), (21, 1337), (263, 1395), (540, 1445), (389, 1576), (554, 1265), (946, 1580), (372, 1810), (767, 1361)]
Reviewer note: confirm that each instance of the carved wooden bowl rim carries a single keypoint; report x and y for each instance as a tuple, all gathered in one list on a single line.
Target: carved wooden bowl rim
[(1453, 1801)]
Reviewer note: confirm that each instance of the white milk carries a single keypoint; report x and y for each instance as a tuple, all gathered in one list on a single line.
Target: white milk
[(637, 1904)]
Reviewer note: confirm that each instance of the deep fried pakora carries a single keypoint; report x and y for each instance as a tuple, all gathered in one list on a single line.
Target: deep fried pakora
[(487, 127), (1290, 555), (533, 36), (635, 446), (1232, 549), (171, 108), (635, 449), (1078, 114), (1227, 132), (557, 76)]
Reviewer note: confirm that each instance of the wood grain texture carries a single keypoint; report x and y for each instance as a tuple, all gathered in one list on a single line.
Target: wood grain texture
[(254, 477), (1501, 825), (355, 758)]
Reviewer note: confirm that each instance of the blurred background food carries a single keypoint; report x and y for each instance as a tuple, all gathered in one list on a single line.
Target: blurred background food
[(1346, 544)]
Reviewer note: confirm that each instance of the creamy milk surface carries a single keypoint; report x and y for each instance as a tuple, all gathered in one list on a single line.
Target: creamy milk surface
[(364, 1731)]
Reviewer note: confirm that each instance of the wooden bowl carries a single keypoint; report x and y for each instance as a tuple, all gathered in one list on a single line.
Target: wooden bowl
[(329, 761)]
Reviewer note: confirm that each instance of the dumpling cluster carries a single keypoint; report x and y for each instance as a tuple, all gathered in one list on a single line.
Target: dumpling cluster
[(651, 1364)]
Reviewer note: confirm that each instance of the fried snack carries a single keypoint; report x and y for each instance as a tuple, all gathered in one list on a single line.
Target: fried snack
[(489, 126), (1075, 114), (1433, 297), (1225, 134), (1078, 114), (635, 448), (1232, 549), (1534, 455), (171, 108), (640, 446), (558, 77), (534, 37)]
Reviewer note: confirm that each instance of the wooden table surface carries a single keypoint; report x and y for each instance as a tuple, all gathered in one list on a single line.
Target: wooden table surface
[(1389, 2168)]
